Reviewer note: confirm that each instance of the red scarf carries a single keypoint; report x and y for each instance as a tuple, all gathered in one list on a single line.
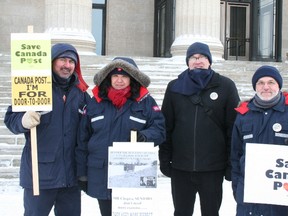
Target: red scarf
[(119, 97)]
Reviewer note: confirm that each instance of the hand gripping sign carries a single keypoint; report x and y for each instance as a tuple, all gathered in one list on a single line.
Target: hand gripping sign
[(31, 82)]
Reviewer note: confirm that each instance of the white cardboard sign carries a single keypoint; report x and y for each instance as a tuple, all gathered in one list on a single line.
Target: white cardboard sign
[(266, 174), (132, 176)]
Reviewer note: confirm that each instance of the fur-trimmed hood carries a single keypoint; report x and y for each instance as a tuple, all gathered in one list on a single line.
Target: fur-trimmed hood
[(128, 65)]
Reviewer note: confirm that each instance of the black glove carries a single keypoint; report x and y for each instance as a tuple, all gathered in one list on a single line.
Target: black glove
[(166, 168), (141, 137), (83, 185), (228, 174)]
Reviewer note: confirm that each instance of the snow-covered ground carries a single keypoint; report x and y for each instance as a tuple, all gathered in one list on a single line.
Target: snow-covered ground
[(11, 203)]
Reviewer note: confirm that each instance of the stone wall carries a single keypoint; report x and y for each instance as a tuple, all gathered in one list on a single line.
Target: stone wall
[(16, 15), (130, 27)]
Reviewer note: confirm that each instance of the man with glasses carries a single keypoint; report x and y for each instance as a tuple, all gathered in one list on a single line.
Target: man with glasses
[(199, 111), (263, 119)]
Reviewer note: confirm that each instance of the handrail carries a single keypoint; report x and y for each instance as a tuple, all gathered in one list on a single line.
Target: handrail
[(237, 39)]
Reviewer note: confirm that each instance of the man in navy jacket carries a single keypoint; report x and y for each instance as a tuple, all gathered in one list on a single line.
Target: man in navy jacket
[(56, 139), (263, 119)]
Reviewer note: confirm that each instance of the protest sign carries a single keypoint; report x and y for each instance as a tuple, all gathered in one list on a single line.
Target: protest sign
[(132, 176), (266, 174), (31, 82), (31, 72), (132, 166), (134, 202)]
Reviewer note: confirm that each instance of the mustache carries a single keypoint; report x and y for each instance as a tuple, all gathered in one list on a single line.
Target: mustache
[(65, 68)]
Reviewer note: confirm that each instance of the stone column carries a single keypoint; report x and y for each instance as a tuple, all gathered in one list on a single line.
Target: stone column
[(69, 21), (197, 21)]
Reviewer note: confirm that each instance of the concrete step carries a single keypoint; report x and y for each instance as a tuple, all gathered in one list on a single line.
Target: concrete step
[(9, 172), (12, 139), (4, 130), (10, 160), (3, 108), (8, 149), (5, 100)]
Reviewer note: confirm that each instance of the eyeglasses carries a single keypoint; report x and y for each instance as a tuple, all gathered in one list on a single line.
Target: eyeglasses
[(269, 83), (200, 58)]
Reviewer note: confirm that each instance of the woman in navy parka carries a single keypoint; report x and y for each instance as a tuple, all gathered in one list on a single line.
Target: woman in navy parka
[(120, 103), (261, 120), (56, 139)]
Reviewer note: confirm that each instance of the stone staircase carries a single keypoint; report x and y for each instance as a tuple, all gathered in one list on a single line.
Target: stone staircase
[(10, 144), (160, 70)]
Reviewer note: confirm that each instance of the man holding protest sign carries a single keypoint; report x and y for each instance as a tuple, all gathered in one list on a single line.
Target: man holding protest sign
[(56, 133), (262, 120)]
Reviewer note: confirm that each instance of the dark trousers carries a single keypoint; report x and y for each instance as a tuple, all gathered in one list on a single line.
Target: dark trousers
[(105, 207), (66, 201), (185, 186)]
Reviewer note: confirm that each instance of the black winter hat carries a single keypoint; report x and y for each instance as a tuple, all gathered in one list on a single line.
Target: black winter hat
[(118, 71), (269, 71), (198, 48)]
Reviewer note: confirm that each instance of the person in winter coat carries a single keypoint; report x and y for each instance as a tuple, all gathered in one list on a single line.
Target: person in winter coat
[(257, 121), (199, 113), (56, 139), (120, 103)]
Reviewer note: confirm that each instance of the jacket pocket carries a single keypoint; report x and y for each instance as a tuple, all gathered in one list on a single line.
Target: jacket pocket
[(247, 131), (138, 118), (46, 162), (96, 170), (97, 119)]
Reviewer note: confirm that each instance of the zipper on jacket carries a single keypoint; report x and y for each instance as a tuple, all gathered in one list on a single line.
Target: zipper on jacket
[(194, 138)]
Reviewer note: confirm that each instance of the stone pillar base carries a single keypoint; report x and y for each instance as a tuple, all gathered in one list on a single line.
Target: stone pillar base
[(181, 44), (70, 22), (83, 41)]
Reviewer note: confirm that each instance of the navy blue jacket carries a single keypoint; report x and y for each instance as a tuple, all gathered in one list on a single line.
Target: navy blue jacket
[(104, 124), (56, 141), (254, 125)]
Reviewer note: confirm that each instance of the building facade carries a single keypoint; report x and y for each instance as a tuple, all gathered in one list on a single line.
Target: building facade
[(234, 29)]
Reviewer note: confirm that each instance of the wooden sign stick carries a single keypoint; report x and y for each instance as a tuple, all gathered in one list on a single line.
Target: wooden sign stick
[(34, 155), (34, 151), (133, 136)]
